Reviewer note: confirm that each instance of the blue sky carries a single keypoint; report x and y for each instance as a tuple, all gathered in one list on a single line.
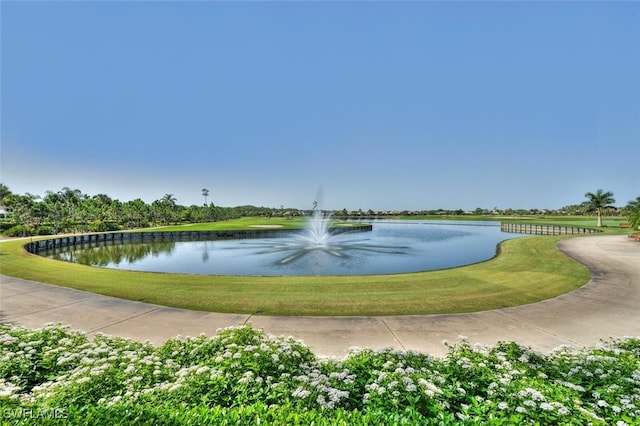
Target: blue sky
[(382, 105)]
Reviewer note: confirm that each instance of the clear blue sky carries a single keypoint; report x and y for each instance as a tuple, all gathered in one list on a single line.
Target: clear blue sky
[(383, 105)]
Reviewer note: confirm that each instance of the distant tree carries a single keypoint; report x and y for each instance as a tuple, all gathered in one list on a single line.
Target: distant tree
[(101, 212), (633, 209), (55, 209), (24, 210), (4, 191), (576, 209), (169, 199), (205, 194), (599, 201), (136, 213), (103, 199), (72, 199), (165, 208)]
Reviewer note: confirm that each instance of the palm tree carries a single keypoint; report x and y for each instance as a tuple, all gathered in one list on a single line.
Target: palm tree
[(169, 199), (138, 213), (71, 198), (599, 201), (166, 206), (205, 194), (633, 207), (55, 209)]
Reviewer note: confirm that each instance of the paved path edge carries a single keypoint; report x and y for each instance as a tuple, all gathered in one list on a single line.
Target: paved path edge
[(606, 307)]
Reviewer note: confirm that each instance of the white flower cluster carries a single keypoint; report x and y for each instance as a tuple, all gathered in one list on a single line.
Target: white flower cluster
[(324, 388), (54, 366)]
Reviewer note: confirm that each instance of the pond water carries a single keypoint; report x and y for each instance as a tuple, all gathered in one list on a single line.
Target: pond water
[(391, 247)]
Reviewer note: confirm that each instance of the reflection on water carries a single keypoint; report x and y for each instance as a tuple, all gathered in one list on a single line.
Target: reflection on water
[(108, 254), (295, 249), (317, 238), (392, 247)]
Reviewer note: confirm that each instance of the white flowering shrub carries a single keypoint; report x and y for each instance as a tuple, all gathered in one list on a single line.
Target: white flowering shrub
[(244, 376)]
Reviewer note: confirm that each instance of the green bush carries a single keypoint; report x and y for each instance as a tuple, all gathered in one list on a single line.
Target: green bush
[(244, 376), (4, 225), (45, 230), (20, 231)]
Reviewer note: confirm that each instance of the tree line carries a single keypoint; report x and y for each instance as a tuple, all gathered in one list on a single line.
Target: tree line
[(70, 210)]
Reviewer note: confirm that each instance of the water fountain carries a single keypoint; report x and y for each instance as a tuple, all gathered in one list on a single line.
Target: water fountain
[(394, 246), (317, 237)]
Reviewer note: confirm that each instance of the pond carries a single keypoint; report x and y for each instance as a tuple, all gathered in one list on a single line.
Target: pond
[(391, 247)]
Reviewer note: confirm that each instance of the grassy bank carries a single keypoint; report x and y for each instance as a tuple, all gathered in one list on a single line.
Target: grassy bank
[(528, 269), (248, 223), (611, 225)]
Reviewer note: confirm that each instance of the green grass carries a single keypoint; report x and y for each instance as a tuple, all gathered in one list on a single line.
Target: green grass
[(611, 225), (528, 270), (243, 223), (247, 223)]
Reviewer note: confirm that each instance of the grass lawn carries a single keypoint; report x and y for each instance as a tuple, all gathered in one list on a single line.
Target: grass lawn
[(527, 270), (243, 223), (610, 224)]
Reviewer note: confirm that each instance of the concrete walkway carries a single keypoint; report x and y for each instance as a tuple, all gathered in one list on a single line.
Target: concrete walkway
[(608, 306)]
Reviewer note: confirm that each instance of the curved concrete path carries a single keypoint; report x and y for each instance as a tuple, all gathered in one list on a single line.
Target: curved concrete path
[(607, 306)]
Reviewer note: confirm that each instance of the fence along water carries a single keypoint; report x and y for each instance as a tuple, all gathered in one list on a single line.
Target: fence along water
[(37, 246), (528, 228)]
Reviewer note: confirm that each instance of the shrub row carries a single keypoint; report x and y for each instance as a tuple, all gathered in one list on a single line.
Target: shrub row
[(244, 376)]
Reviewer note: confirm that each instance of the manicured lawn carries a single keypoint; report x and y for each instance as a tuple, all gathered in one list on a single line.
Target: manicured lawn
[(610, 224), (528, 269), (243, 223)]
